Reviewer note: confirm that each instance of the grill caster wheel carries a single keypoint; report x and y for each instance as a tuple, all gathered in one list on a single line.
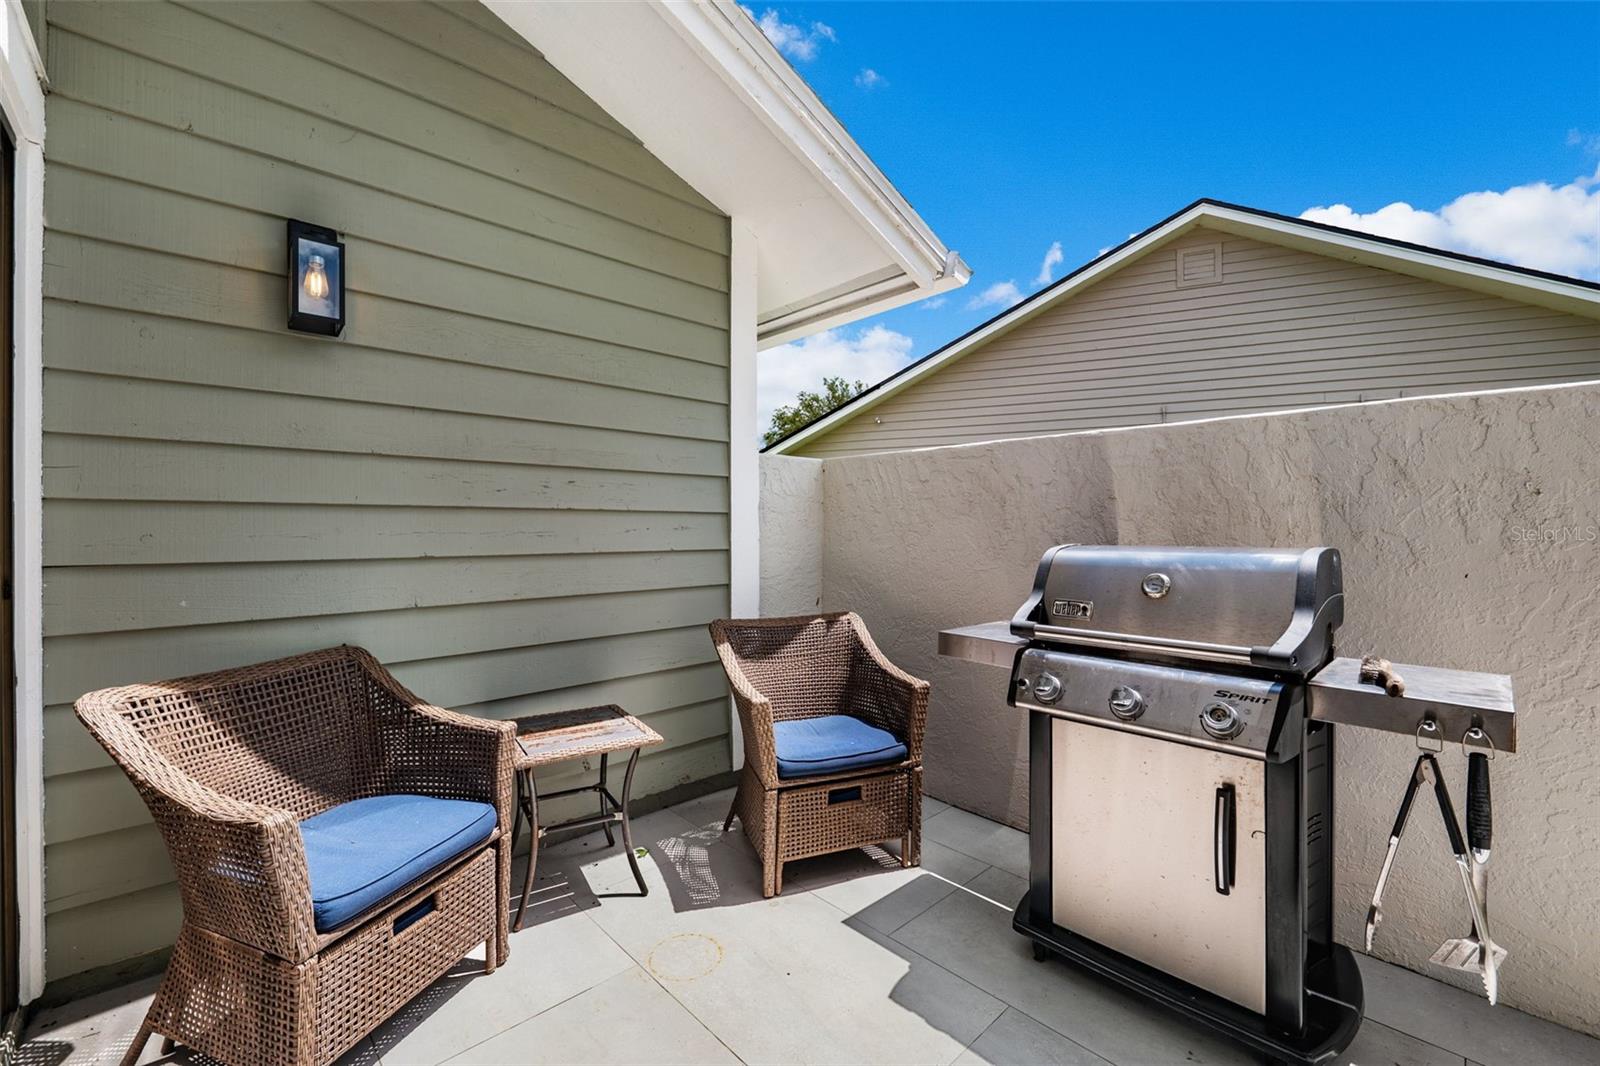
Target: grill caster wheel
[(1040, 952)]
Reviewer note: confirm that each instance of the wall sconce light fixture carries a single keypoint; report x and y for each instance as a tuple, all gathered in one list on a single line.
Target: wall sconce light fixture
[(316, 279)]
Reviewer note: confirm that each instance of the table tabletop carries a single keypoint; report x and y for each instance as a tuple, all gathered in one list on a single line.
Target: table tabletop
[(548, 738)]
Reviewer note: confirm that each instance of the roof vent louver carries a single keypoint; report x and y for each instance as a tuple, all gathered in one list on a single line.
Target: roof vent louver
[(1198, 265)]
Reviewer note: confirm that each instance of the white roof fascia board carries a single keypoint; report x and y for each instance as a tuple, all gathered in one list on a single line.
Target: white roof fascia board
[(699, 84), (750, 64)]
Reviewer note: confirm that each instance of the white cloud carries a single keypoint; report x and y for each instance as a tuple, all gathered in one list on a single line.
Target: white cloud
[(1052, 259), (1000, 294), (870, 79), (933, 303), (793, 40), (871, 355), (1589, 142), (1539, 225)]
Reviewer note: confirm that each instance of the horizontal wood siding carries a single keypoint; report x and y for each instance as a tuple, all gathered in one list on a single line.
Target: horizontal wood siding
[(1282, 329), (508, 479)]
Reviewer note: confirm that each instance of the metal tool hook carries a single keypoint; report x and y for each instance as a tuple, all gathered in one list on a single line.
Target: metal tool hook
[(1427, 731), (1478, 738)]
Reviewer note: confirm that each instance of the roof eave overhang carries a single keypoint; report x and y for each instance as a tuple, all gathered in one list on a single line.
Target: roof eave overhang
[(744, 129), (869, 297)]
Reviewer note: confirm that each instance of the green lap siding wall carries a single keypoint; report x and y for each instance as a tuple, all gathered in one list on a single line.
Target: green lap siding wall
[(508, 479)]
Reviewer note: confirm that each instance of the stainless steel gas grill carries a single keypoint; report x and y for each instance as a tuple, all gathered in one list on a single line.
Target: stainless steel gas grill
[(1181, 796)]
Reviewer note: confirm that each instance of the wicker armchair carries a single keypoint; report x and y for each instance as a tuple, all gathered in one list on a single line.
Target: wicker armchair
[(815, 667), (230, 764)]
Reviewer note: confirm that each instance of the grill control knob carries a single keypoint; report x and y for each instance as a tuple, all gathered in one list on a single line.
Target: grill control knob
[(1126, 703), (1221, 720), (1047, 689)]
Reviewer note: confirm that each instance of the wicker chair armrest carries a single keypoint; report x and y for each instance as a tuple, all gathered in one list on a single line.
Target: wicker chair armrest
[(755, 714), (889, 690), (430, 751), (241, 866)]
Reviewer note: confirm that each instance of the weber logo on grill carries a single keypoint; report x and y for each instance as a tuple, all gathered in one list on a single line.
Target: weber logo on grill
[(1072, 608)]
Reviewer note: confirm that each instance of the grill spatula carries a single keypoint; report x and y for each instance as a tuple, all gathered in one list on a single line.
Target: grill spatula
[(1477, 953)]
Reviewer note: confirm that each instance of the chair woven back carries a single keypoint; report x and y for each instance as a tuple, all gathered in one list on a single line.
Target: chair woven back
[(292, 734), (802, 664)]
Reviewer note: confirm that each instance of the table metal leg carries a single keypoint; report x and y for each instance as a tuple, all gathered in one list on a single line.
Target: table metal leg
[(627, 829), (611, 841), (527, 804)]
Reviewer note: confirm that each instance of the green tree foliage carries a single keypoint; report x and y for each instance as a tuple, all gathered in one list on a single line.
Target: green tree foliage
[(810, 406)]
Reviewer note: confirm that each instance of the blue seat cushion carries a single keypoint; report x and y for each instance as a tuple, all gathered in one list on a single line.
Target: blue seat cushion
[(831, 744), (363, 852)]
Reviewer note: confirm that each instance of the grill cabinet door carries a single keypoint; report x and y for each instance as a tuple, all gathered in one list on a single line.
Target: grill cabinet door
[(1134, 825)]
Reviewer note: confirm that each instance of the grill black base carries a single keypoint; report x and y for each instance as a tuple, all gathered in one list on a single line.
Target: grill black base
[(1333, 1007)]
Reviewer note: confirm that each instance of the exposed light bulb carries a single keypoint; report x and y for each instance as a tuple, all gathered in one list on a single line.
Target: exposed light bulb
[(316, 283)]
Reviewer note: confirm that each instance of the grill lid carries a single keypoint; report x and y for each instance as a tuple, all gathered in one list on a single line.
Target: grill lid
[(1274, 609)]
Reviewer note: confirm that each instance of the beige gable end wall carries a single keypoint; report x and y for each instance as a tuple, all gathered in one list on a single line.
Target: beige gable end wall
[(1282, 329), (508, 479)]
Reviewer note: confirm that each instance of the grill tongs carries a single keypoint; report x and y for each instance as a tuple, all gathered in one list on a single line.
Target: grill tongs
[(1426, 770)]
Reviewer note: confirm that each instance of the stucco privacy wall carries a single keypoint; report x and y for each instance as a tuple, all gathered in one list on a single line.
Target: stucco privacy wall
[(508, 479), (791, 535), (1469, 531)]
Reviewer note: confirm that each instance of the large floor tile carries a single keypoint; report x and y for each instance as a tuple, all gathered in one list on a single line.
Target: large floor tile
[(96, 1031), (706, 810), (788, 980), (1000, 887), (606, 872), (592, 846), (549, 963), (627, 1019), (969, 934), (995, 844), (695, 867), (871, 885), (1465, 1024), (1017, 1040), (1378, 1045)]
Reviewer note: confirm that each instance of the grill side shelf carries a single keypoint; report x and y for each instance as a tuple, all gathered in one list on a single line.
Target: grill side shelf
[(1456, 699), (990, 643)]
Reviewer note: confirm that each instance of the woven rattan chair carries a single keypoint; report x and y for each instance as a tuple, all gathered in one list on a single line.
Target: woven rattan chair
[(230, 763), (783, 670)]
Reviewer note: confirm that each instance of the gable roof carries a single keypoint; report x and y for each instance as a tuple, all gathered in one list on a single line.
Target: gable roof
[(702, 88), (1524, 284)]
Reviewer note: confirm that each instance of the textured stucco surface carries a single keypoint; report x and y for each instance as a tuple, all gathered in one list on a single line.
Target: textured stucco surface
[(791, 535), (1469, 531)]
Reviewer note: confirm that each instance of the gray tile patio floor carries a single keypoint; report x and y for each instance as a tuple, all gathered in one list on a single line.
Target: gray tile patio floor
[(858, 961)]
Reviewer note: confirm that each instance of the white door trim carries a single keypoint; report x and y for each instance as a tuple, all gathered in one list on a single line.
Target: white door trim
[(22, 106), (744, 474)]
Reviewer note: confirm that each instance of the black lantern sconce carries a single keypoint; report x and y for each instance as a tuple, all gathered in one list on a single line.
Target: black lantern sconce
[(316, 279)]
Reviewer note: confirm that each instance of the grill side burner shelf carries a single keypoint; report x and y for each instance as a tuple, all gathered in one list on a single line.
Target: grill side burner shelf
[(1182, 705)]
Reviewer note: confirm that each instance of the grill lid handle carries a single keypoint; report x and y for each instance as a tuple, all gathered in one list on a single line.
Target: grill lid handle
[(1307, 644)]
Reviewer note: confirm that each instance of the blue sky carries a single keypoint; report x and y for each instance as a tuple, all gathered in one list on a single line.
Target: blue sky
[(1011, 127)]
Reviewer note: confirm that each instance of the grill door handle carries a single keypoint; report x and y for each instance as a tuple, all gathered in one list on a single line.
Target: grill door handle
[(1223, 834)]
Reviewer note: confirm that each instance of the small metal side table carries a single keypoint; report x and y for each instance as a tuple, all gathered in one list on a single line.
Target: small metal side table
[(543, 739)]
